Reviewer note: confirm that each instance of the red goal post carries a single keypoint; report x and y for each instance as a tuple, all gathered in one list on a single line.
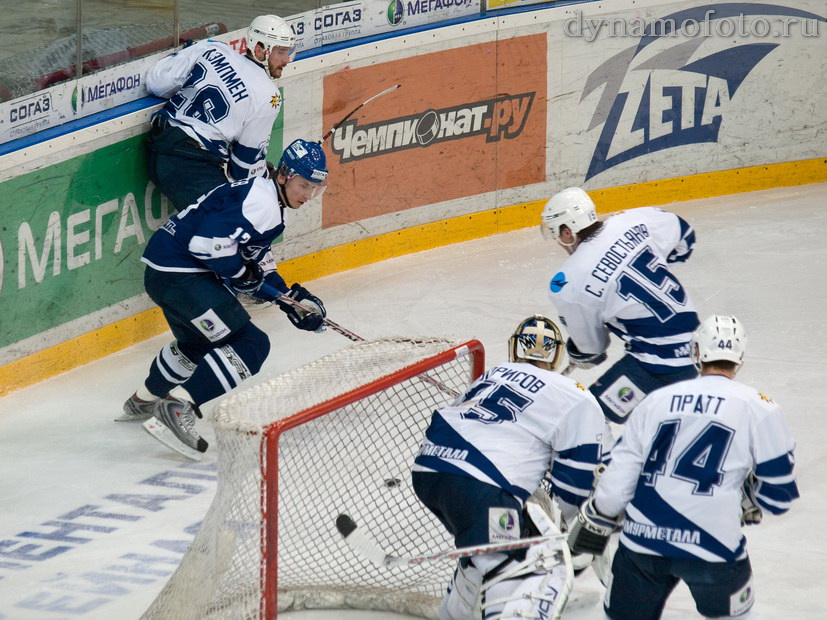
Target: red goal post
[(336, 435)]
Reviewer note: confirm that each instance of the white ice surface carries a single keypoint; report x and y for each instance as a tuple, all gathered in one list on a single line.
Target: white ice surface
[(77, 541)]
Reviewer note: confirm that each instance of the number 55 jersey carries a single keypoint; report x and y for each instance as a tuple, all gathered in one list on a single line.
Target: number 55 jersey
[(514, 423)]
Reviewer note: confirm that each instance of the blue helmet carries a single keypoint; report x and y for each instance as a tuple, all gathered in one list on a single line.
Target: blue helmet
[(306, 159)]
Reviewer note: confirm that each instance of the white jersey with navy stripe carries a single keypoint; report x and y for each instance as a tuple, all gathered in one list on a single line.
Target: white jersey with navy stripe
[(511, 425), (618, 282), (680, 464), (222, 99)]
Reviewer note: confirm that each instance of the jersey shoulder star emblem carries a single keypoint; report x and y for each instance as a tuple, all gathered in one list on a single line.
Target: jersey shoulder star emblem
[(765, 398), (275, 100)]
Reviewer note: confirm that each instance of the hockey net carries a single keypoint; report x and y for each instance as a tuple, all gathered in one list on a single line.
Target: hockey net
[(337, 435)]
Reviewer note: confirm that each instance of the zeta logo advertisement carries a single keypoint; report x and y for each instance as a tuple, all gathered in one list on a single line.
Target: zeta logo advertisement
[(660, 94)]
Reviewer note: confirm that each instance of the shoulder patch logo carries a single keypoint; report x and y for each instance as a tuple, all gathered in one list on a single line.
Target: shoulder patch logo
[(765, 398), (557, 282), (275, 100)]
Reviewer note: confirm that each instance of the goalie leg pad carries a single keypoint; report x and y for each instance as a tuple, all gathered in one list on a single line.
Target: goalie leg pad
[(539, 586), (461, 600)]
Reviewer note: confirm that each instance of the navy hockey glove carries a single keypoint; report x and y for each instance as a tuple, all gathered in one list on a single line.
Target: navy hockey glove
[(250, 281), (313, 319), (583, 360), (591, 530)]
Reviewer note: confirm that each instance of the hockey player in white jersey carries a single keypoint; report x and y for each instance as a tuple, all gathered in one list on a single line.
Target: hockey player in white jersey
[(616, 281), (196, 263), (484, 456), (217, 123), (698, 459)]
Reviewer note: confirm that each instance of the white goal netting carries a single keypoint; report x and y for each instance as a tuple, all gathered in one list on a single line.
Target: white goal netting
[(335, 436)]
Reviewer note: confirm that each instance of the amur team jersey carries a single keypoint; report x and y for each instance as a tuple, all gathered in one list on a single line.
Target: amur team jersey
[(618, 281), (679, 466), (222, 99), (233, 224), (511, 425)]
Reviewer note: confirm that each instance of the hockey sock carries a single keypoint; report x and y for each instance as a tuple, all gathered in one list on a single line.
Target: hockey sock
[(225, 367), (169, 368)]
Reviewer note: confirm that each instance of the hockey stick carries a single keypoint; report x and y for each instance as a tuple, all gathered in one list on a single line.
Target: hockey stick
[(332, 325), (362, 544), (356, 109), (266, 288), (567, 370)]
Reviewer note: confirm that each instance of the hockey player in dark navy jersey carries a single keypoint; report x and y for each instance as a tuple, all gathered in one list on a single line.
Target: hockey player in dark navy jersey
[(196, 264)]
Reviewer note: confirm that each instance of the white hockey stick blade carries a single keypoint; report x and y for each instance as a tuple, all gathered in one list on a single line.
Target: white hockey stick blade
[(166, 437), (362, 544)]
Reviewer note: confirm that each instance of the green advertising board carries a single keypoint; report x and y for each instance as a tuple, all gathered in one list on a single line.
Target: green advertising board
[(72, 234)]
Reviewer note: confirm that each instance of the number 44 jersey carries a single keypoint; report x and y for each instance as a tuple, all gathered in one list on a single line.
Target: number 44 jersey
[(679, 468)]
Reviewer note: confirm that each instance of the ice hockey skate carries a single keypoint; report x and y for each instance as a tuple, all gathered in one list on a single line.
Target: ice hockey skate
[(136, 409), (173, 424)]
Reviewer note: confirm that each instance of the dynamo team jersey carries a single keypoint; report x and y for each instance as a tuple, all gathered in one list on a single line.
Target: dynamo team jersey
[(680, 464), (222, 99), (511, 425), (619, 281), (234, 223)]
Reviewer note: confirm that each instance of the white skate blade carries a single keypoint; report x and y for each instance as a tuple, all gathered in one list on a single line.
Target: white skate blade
[(166, 437), (133, 418)]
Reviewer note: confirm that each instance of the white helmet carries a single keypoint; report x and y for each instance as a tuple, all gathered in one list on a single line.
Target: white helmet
[(571, 207), (719, 337), (270, 31), (536, 338)]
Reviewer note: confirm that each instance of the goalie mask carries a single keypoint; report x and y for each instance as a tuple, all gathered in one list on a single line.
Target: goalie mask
[(719, 337), (571, 207), (536, 339)]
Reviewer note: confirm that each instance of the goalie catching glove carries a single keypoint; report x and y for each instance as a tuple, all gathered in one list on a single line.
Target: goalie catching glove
[(581, 360), (313, 319), (591, 530)]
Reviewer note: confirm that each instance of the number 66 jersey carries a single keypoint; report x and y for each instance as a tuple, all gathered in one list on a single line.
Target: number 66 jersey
[(679, 468)]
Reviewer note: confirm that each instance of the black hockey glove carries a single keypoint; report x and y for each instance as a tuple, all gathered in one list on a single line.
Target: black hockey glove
[(583, 360), (311, 320), (591, 530), (250, 281)]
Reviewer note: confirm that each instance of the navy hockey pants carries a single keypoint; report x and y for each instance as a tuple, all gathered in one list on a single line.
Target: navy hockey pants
[(465, 505), (179, 167), (625, 384), (641, 583), (212, 329)]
